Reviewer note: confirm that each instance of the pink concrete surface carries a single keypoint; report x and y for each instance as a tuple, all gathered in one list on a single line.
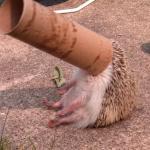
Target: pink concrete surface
[(25, 79)]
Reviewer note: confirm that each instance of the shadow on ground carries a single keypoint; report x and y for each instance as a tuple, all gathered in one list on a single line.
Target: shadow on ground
[(27, 98)]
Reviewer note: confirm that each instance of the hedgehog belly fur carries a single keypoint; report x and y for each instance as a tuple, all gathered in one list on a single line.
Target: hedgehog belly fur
[(95, 88)]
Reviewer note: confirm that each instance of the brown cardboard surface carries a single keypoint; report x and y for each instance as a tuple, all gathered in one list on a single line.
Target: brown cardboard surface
[(37, 25)]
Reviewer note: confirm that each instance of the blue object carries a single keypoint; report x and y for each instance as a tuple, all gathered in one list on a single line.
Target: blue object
[(146, 47), (51, 2), (1, 1)]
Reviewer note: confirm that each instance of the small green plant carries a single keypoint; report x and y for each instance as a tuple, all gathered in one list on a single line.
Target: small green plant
[(32, 145), (4, 142), (52, 145)]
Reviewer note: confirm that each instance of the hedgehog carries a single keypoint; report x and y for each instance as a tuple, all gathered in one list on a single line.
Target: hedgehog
[(97, 101)]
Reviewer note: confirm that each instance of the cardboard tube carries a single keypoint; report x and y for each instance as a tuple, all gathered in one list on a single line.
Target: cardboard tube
[(37, 25)]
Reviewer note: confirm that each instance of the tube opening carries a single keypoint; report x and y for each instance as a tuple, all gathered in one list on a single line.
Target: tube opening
[(10, 14)]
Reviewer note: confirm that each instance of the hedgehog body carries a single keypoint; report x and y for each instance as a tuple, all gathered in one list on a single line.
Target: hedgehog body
[(119, 98), (97, 101)]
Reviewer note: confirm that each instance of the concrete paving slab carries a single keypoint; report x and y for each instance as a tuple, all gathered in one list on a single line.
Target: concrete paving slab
[(25, 79)]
